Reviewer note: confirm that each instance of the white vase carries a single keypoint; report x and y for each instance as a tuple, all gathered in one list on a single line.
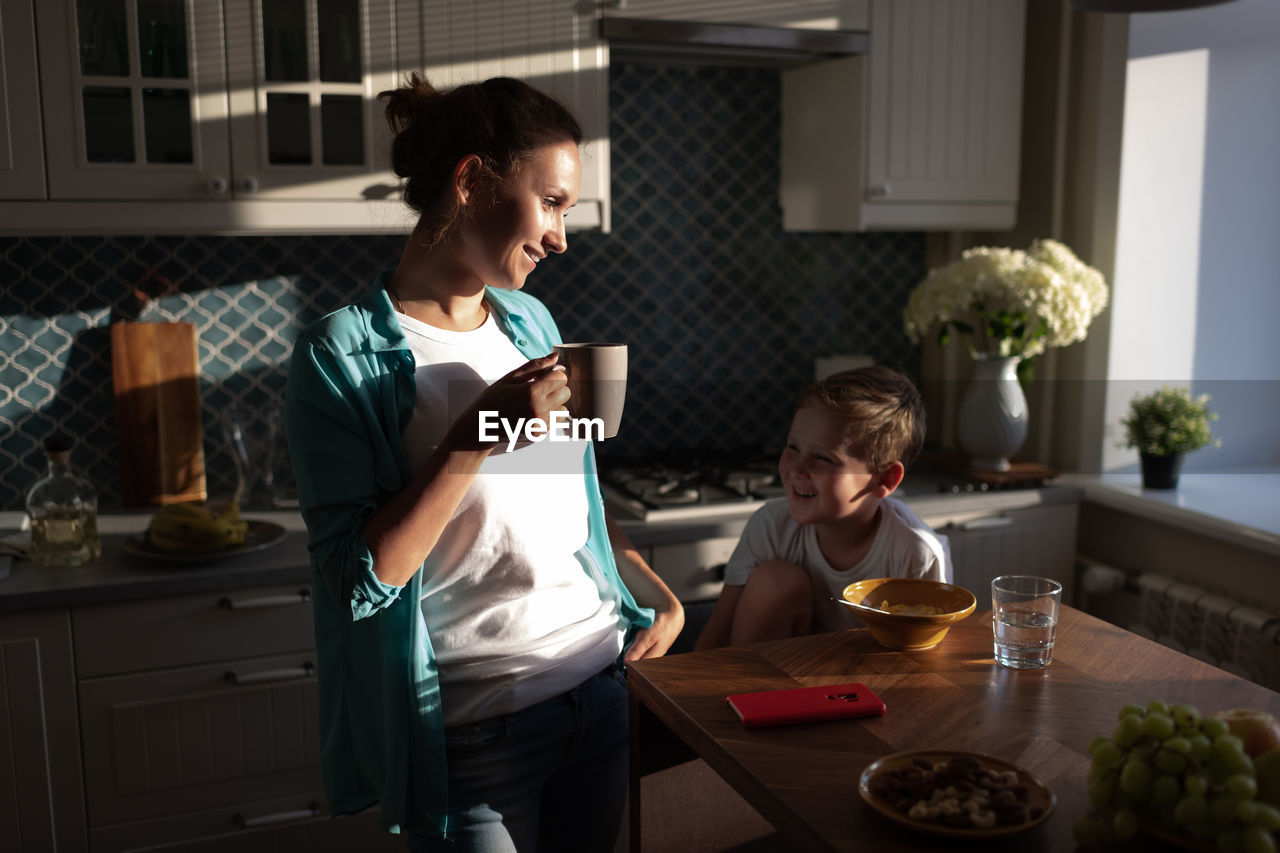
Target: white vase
[(992, 424)]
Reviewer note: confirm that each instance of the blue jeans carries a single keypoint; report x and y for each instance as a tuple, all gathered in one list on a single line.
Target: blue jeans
[(551, 777)]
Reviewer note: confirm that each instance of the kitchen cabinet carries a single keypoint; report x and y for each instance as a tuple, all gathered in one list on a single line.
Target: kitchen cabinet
[(41, 806), (21, 152), (923, 132), (694, 570), (253, 116), (810, 14), (553, 45), (167, 99), (1032, 540), (210, 734)]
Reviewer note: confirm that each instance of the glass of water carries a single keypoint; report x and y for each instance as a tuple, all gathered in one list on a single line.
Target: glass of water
[(1024, 619)]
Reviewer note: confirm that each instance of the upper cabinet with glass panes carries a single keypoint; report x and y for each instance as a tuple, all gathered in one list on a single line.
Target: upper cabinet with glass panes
[(201, 99), (242, 113)]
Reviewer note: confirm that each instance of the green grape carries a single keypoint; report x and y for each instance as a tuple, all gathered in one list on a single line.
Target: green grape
[(1127, 730), (1178, 744), (1125, 823), (1098, 771), (1101, 791), (1135, 710), (1107, 753), (1158, 725), (1222, 809), (1185, 715), (1087, 831), (1155, 706), (1191, 810), (1202, 831), (1201, 747), (1247, 811), (1267, 816), (1196, 785), (1229, 750), (1229, 840), (1094, 743), (1213, 727), (1168, 761), (1165, 790), (1241, 787), (1257, 840), (1135, 778)]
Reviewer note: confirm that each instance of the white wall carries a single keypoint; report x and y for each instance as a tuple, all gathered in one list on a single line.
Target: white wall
[(1197, 272)]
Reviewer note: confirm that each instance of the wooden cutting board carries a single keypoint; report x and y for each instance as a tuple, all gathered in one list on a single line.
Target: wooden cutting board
[(159, 430)]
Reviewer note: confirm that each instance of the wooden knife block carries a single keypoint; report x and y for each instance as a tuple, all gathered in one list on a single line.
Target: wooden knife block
[(159, 428)]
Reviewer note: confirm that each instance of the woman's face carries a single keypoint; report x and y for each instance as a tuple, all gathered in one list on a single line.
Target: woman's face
[(505, 239)]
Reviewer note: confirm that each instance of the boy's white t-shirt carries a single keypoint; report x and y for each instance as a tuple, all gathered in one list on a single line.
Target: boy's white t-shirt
[(512, 615), (904, 547)]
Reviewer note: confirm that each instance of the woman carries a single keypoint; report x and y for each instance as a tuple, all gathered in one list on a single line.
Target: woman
[(469, 610)]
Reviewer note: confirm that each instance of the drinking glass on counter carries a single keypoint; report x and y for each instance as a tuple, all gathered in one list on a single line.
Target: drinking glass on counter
[(1024, 619)]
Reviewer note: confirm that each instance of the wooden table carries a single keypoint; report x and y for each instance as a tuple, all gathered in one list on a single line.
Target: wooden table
[(804, 778)]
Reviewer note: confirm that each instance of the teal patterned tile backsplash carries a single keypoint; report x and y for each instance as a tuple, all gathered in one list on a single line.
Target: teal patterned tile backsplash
[(723, 311)]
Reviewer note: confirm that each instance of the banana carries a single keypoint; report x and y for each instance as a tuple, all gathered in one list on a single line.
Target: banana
[(192, 528), (231, 512)]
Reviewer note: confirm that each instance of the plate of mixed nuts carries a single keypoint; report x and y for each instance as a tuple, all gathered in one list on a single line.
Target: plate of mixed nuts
[(956, 794)]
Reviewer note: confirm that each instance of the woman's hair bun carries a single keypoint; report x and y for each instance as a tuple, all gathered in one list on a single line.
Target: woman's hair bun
[(501, 120)]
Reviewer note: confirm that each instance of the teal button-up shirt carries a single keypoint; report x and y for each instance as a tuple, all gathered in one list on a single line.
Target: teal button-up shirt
[(350, 394)]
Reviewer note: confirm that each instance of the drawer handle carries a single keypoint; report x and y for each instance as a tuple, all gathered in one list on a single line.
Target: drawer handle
[(288, 673), (302, 596), (984, 523), (718, 570), (310, 811)]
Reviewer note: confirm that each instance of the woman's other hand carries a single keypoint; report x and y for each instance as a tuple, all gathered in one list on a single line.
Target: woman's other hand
[(653, 642)]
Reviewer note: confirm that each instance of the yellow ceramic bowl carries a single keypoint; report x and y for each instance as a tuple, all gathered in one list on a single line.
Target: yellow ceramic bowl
[(905, 631)]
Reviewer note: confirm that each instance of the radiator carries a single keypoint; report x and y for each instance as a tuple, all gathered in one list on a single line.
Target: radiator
[(1206, 625)]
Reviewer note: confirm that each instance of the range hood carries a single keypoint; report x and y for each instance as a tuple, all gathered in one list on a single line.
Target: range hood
[(694, 42)]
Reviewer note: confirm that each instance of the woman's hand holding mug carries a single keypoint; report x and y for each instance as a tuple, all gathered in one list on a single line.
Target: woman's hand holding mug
[(533, 390)]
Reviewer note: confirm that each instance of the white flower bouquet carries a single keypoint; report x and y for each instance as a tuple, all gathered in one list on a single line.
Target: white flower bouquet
[(1008, 302)]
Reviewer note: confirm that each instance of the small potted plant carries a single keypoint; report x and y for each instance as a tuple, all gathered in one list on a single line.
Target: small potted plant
[(1165, 425)]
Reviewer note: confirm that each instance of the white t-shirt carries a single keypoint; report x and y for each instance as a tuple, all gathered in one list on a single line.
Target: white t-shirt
[(904, 547), (513, 617)]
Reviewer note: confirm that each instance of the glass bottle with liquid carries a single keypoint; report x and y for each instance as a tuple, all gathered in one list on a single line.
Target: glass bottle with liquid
[(64, 511)]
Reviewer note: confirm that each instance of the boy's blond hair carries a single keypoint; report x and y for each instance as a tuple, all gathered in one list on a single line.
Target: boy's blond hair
[(884, 411)]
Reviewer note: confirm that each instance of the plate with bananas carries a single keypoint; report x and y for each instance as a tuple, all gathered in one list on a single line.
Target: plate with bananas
[(193, 533)]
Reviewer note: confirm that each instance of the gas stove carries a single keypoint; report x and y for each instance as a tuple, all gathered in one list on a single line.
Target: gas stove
[(672, 489), (688, 486)]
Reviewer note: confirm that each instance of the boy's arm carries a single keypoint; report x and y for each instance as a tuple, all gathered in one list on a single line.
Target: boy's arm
[(754, 547), (719, 627)]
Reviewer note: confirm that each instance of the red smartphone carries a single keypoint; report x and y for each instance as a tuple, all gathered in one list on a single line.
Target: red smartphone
[(805, 705)]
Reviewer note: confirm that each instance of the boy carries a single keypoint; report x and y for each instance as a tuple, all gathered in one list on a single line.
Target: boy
[(851, 439)]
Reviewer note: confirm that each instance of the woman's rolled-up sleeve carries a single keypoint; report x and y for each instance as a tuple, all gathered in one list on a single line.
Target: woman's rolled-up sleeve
[(342, 476)]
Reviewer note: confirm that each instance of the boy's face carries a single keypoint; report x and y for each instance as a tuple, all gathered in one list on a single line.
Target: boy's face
[(823, 482)]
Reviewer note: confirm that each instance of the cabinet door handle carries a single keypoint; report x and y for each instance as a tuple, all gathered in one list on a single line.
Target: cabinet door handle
[(302, 596), (218, 185), (984, 523), (288, 673), (313, 810)]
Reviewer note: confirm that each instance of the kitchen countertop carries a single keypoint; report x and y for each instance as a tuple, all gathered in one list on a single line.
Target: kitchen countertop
[(1238, 506), (919, 493), (119, 576)]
